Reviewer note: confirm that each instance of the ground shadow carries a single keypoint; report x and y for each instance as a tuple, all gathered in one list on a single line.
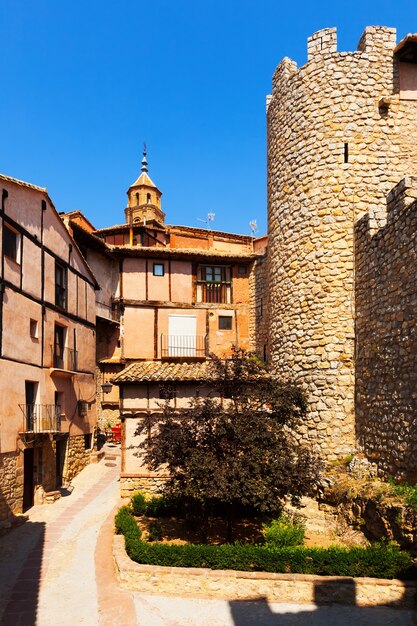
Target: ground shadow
[(20, 576), (334, 605)]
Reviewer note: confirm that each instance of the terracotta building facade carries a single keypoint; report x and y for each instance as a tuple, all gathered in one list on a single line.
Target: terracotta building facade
[(169, 295), (47, 350)]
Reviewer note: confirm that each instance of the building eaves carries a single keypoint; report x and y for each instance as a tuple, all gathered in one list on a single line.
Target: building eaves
[(22, 183), (181, 253), (159, 371)]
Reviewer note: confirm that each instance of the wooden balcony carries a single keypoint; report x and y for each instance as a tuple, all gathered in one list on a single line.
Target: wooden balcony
[(214, 292)]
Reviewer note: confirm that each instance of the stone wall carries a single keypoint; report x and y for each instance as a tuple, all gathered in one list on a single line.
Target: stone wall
[(76, 458), (234, 585), (11, 483), (386, 327), (334, 152), (259, 297), (151, 485)]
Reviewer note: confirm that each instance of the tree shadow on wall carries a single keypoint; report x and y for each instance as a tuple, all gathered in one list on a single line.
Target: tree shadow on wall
[(334, 604), (21, 560)]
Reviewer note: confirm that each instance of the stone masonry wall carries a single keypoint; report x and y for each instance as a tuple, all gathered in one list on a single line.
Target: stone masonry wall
[(386, 352), (11, 482), (333, 154), (77, 457), (259, 319), (151, 485)]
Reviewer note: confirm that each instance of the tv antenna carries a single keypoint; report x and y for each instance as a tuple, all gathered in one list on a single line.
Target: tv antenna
[(209, 219), (253, 227)]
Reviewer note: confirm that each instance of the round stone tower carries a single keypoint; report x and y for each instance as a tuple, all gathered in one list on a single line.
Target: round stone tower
[(341, 133)]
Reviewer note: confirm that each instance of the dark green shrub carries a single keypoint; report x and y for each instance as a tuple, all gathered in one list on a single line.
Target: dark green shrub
[(126, 525), (156, 532), (138, 503), (376, 562), (382, 560), (285, 531), (160, 506)]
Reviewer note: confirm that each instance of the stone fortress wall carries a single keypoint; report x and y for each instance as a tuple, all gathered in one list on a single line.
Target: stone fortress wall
[(386, 333), (339, 139)]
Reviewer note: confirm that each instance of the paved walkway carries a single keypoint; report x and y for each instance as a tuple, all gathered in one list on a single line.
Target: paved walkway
[(57, 569), (50, 570)]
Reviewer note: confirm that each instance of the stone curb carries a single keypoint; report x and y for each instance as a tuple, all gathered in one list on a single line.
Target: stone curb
[(236, 585)]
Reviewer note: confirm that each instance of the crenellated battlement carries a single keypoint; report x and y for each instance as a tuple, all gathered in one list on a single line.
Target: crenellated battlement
[(322, 42)]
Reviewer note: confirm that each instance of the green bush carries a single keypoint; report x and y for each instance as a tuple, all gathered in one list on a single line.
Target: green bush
[(382, 560), (160, 506), (125, 524), (138, 503), (375, 561), (285, 531)]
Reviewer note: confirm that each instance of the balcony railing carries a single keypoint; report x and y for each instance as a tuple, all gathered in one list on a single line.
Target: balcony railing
[(191, 346), (217, 293), (41, 418), (64, 358)]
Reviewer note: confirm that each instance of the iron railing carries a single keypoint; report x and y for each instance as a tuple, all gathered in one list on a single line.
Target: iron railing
[(41, 418), (217, 293), (191, 346), (64, 358)]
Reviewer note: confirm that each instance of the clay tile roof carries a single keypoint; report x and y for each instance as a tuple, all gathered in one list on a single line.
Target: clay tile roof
[(144, 180), (147, 371)]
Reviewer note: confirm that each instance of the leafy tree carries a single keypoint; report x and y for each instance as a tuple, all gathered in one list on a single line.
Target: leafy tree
[(237, 447)]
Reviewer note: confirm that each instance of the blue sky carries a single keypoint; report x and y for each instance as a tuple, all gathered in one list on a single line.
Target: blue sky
[(84, 83)]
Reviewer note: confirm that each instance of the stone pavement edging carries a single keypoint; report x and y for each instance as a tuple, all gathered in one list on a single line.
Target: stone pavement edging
[(235, 585)]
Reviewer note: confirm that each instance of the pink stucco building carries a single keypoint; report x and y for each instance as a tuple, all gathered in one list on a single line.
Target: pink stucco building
[(47, 349)]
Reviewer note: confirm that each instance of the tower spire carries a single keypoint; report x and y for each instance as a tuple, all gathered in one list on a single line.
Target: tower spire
[(144, 167)]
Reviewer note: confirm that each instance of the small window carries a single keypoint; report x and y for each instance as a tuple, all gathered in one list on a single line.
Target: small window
[(148, 198), (60, 285), (225, 322), (88, 440), (158, 269), (242, 270), (33, 328), (11, 240)]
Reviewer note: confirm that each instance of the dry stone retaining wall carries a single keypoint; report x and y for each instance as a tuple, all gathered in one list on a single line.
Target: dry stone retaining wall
[(150, 485), (294, 588), (333, 154)]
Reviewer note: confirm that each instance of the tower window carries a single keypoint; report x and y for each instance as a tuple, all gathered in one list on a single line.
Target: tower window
[(148, 198), (346, 153)]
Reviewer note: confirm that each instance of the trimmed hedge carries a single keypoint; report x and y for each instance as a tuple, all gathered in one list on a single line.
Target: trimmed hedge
[(377, 561), (138, 503), (126, 525)]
